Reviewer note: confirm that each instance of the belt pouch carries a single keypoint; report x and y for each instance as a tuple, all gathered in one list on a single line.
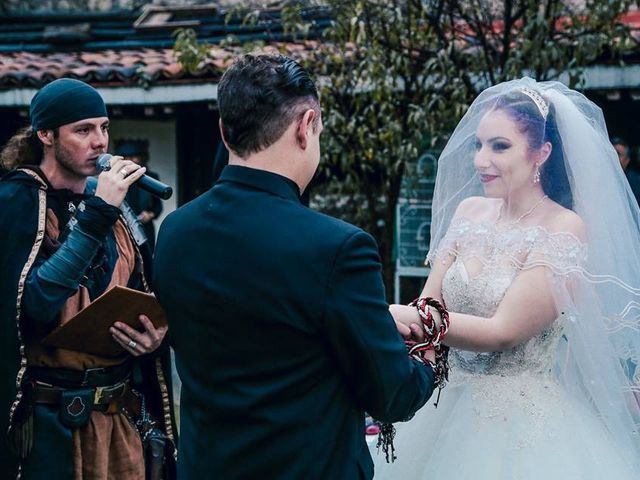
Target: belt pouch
[(76, 407)]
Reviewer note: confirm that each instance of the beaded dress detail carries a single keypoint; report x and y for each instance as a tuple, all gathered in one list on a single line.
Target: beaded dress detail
[(503, 252), (505, 410)]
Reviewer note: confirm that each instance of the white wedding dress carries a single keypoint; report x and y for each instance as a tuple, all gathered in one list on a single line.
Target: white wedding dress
[(504, 415)]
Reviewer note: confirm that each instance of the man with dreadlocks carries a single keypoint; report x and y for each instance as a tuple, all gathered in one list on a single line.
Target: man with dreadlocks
[(72, 414)]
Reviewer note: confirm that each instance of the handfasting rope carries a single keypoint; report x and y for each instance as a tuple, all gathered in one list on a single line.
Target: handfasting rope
[(433, 337)]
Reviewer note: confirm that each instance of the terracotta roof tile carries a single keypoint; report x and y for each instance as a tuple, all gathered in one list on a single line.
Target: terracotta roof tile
[(173, 70), (121, 67)]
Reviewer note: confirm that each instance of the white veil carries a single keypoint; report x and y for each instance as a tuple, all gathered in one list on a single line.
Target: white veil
[(599, 355)]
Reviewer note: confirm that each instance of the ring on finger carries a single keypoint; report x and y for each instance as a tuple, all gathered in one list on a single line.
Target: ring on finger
[(124, 172), (132, 343)]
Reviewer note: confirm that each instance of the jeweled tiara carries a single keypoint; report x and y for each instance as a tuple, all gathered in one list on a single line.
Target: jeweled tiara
[(540, 102)]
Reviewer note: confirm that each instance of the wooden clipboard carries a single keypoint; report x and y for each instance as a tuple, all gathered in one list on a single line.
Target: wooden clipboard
[(88, 331)]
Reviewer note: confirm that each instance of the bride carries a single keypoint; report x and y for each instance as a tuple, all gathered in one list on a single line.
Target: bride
[(537, 260)]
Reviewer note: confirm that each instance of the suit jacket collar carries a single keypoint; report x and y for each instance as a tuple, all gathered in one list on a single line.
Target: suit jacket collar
[(261, 180)]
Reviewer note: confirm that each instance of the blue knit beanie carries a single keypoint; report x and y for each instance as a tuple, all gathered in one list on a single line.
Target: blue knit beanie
[(65, 101)]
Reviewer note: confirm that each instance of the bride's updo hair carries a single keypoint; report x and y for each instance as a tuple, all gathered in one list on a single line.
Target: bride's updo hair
[(529, 116)]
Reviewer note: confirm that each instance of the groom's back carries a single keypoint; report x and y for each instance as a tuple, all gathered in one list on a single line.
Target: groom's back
[(242, 273), (277, 314)]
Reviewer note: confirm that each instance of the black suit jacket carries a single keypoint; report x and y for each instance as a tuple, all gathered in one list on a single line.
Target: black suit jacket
[(281, 333)]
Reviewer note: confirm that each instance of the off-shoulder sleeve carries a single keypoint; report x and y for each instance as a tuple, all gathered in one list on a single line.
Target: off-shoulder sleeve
[(448, 245), (562, 252), (526, 247)]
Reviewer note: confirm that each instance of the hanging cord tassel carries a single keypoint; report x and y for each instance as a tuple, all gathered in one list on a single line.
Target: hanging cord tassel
[(438, 399), (385, 441)]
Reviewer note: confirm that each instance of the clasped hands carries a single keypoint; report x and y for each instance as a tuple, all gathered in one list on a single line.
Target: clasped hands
[(410, 326), (135, 342)]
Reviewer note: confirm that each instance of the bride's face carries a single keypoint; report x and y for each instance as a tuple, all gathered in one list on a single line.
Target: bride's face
[(503, 157)]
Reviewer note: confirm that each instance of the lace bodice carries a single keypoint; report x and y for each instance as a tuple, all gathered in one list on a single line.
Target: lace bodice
[(501, 253)]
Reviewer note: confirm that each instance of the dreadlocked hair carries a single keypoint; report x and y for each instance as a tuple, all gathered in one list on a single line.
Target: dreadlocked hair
[(24, 148)]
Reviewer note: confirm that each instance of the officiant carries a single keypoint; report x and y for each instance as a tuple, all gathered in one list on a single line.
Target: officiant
[(70, 413)]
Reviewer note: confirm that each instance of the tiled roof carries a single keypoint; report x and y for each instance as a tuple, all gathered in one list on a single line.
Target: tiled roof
[(115, 49), (145, 61), (121, 67)]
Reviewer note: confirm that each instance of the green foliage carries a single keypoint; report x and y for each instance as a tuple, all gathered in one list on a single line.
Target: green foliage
[(397, 76), (188, 51)]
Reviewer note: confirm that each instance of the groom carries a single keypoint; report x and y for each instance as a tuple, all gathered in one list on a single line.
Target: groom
[(277, 313)]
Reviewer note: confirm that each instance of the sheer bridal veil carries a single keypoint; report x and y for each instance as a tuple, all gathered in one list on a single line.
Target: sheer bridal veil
[(597, 298)]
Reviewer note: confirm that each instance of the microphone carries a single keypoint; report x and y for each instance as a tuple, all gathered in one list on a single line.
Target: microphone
[(150, 184)]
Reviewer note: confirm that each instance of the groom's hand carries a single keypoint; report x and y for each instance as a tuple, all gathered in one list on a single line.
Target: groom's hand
[(409, 326), (403, 330), (407, 322)]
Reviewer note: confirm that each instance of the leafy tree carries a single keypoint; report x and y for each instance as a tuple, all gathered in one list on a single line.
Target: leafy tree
[(397, 75), (402, 73)]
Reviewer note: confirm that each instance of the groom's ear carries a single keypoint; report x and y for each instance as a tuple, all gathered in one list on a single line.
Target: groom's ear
[(224, 140), (305, 128)]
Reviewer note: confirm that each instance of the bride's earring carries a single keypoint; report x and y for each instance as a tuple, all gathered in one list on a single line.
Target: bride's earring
[(536, 175)]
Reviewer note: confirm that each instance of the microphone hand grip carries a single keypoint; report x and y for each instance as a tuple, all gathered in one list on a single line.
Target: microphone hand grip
[(150, 184)]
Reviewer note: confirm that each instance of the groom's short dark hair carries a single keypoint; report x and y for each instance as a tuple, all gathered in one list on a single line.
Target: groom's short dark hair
[(258, 98)]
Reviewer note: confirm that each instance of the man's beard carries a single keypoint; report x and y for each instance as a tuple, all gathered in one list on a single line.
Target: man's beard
[(65, 159)]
